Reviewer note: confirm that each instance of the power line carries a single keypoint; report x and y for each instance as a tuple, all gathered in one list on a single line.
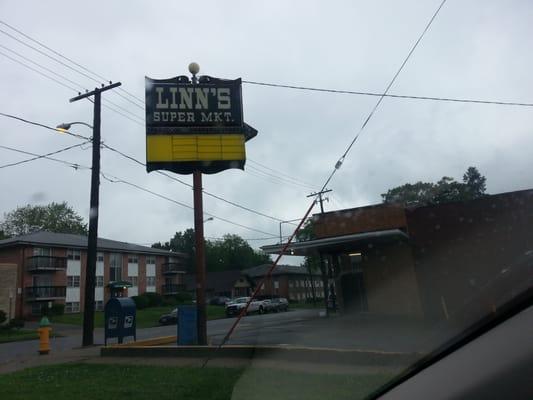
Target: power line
[(143, 164), (190, 186), (43, 67), (119, 180), (37, 157), (268, 179), (39, 72), (279, 179), (397, 96), (76, 64), (279, 172), (139, 119), (339, 162), (45, 156), (44, 126)]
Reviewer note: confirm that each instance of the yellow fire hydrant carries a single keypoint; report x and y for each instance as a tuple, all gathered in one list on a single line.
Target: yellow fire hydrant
[(44, 335)]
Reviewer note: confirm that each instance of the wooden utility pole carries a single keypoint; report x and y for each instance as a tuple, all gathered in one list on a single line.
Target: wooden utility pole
[(90, 270)]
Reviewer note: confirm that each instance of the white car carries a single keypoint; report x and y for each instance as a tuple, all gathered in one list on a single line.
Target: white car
[(235, 306)]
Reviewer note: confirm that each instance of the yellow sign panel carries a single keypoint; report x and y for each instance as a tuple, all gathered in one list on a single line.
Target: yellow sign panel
[(195, 147)]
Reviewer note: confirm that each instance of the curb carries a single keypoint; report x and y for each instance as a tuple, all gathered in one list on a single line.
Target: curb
[(286, 353)]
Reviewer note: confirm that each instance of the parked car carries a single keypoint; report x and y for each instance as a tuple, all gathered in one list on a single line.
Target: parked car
[(219, 301), (235, 306), (280, 304), (170, 318), (269, 305)]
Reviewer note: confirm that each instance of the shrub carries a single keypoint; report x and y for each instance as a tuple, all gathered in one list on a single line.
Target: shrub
[(16, 323), (183, 297), (3, 317), (169, 301), (154, 299), (57, 309), (141, 301)]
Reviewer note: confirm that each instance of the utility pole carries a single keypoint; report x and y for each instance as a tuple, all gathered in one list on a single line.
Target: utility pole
[(320, 200), (322, 263), (90, 271), (199, 241)]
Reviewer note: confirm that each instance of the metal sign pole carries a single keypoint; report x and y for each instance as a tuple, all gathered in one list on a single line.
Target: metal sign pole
[(199, 241), (200, 258)]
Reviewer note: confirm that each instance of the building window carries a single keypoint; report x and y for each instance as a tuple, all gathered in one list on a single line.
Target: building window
[(73, 281), (276, 284), (291, 284), (99, 281), (150, 281), (133, 259), (302, 284), (73, 254), (72, 307), (115, 267), (41, 251), (99, 305), (150, 259), (100, 257), (36, 309), (133, 280)]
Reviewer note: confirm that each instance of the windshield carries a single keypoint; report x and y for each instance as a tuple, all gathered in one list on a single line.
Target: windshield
[(304, 199)]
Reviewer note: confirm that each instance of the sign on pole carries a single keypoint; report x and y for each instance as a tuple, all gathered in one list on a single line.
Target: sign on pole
[(195, 126)]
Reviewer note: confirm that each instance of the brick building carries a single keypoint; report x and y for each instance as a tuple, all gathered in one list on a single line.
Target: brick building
[(44, 267), (437, 261), (289, 281)]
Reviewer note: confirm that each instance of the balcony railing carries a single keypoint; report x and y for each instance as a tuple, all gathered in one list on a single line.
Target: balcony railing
[(172, 289), (171, 268), (46, 263), (45, 292)]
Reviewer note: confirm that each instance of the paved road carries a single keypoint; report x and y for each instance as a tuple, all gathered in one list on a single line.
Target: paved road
[(297, 328), (249, 327)]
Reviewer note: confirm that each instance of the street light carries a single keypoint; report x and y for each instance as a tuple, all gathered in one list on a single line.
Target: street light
[(208, 219), (65, 126)]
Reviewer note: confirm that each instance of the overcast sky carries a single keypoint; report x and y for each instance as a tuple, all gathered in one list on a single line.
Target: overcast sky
[(474, 49)]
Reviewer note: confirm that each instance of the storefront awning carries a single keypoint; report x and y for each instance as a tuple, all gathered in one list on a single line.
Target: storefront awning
[(335, 243)]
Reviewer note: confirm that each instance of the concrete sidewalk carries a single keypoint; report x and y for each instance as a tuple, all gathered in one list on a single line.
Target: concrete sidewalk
[(57, 357)]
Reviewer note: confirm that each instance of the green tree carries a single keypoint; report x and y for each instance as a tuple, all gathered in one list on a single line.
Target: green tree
[(232, 252), (445, 190), (182, 242), (54, 217)]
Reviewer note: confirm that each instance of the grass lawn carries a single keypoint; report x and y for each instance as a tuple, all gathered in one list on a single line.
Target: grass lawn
[(146, 318), (104, 381), (15, 335)]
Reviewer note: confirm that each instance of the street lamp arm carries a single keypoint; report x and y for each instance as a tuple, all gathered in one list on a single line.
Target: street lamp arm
[(66, 125)]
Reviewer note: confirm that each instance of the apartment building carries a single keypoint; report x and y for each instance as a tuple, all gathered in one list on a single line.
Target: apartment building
[(292, 282), (43, 268)]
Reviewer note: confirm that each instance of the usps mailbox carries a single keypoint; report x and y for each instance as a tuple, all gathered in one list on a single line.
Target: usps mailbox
[(187, 325), (120, 319)]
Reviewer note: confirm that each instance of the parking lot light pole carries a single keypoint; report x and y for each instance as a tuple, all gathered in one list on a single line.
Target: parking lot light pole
[(90, 270)]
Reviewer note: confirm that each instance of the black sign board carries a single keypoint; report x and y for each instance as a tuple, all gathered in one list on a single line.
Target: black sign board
[(195, 126), (177, 103)]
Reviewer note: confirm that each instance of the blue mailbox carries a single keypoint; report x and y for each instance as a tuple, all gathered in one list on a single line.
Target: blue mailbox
[(187, 325), (120, 319)]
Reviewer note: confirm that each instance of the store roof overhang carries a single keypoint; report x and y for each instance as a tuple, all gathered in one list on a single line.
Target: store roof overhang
[(355, 241)]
